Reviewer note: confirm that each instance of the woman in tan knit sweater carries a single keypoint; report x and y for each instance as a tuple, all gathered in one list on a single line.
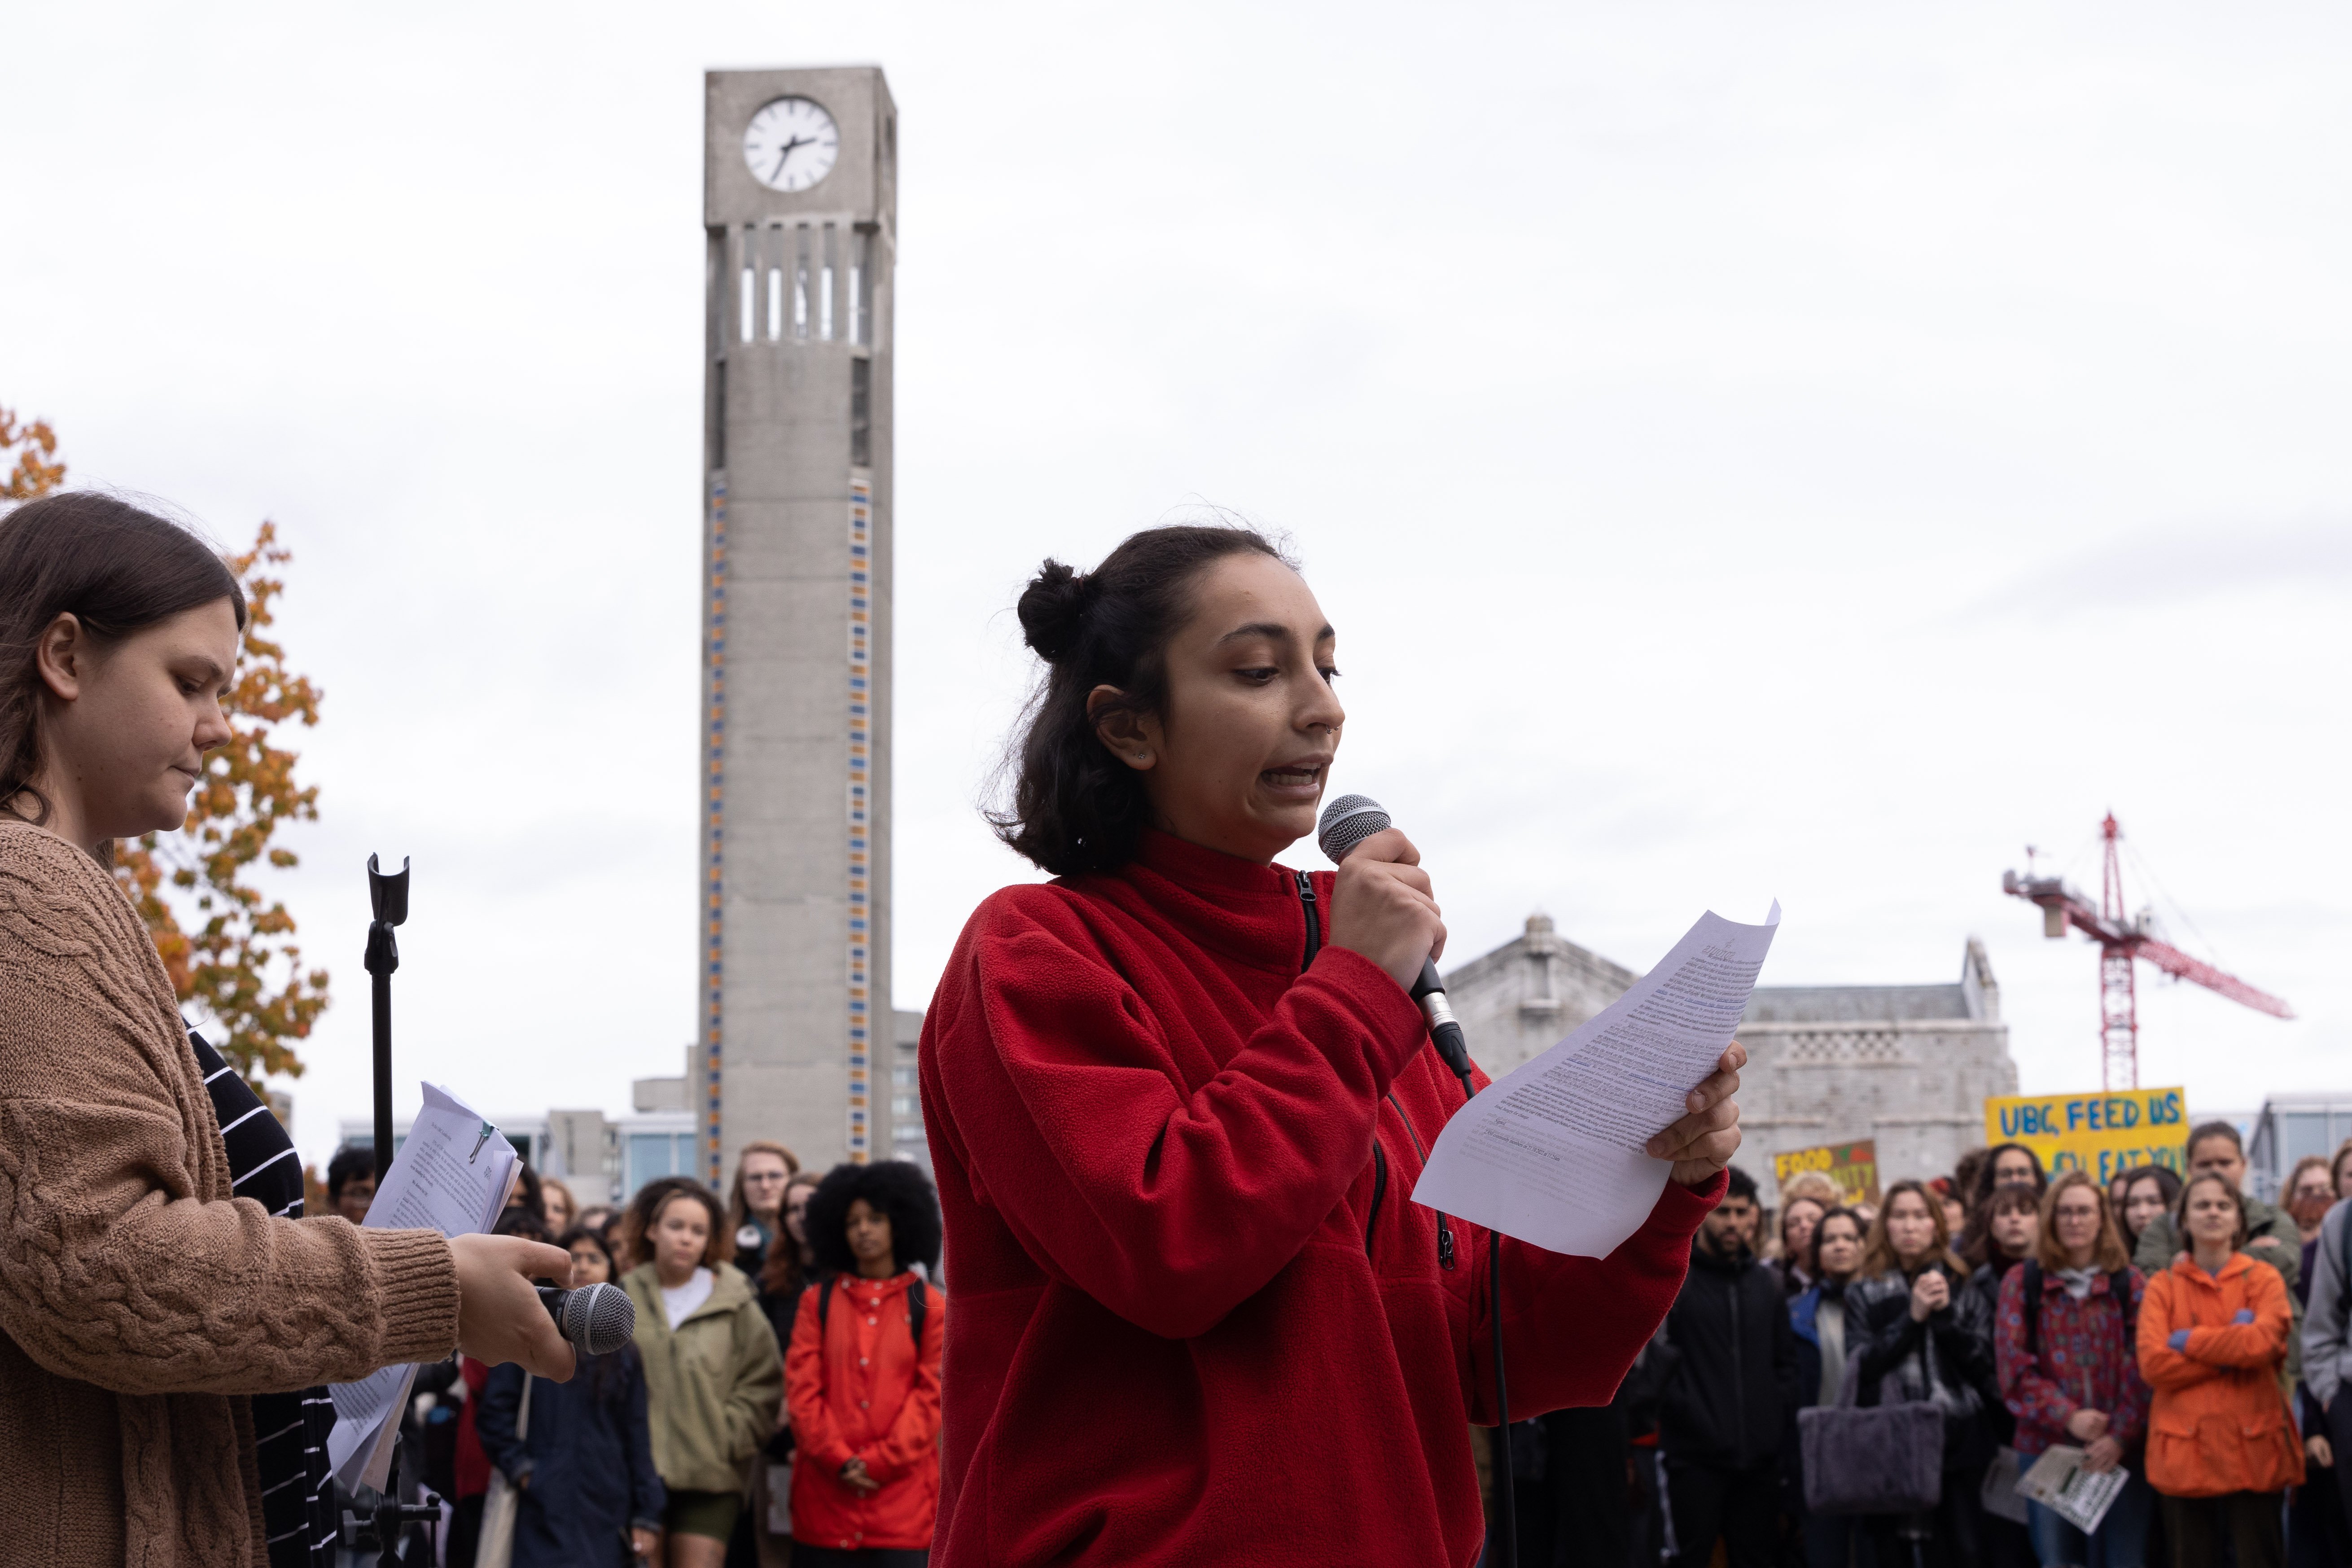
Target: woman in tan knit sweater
[(140, 1301)]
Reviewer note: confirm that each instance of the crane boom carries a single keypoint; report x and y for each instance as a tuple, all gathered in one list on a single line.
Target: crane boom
[(2181, 966), (2120, 941)]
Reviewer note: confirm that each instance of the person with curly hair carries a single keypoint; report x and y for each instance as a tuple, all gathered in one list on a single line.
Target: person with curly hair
[(712, 1375), (862, 1379)]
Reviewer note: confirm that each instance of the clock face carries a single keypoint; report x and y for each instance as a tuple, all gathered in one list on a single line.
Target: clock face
[(791, 144)]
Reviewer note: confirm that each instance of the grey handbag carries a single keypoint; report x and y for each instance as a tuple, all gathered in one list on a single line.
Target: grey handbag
[(1888, 1458)]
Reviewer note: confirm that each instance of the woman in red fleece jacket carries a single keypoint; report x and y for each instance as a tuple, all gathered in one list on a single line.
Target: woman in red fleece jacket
[(1176, 1102)]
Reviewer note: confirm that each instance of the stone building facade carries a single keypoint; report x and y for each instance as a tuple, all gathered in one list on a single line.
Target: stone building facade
[(1909, 1065)]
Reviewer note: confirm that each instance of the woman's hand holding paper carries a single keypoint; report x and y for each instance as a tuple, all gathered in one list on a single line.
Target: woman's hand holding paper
[(1702, 1143)]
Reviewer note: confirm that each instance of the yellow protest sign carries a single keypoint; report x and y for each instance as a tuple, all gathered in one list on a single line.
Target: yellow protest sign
[(2104, 1133), (1852, 1166)]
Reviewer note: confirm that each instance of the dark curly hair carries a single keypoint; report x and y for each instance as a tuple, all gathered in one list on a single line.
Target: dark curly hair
[(899, 1189), (1074, 806)]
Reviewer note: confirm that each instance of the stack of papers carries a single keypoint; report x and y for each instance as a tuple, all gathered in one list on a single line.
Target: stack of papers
[(453, 1174), (1555, 1153)]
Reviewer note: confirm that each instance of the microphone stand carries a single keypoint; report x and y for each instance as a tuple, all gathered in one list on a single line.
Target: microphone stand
[(388, 898)]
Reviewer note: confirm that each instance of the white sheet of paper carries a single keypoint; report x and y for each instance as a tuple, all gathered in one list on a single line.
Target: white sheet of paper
[(1553, 1153), (452, 1174), (2058, 1482)]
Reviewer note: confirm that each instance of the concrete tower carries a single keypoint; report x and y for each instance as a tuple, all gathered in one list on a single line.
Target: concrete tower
[(800, 203)]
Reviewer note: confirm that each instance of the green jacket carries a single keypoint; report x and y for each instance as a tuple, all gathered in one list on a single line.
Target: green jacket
[(2271, 1237), (713, 1384)]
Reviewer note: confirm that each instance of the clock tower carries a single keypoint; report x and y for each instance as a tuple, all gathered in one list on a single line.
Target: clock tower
[(793, 935)]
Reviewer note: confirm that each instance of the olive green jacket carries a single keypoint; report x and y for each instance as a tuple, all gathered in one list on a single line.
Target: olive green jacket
[(2271, 1237), (713, 1384)]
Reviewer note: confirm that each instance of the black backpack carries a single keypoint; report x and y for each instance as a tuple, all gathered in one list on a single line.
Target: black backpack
[(2118, 1286), (918, 1303)]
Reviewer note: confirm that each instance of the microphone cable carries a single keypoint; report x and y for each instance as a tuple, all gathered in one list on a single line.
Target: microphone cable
[(1504, 1536), (1346, 823)]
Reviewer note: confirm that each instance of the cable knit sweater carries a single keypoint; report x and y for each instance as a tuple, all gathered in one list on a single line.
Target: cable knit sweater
[(140, 1301)]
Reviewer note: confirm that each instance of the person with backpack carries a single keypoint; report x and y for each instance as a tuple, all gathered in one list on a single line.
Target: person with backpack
[(862, 1377), (2221, 1447), (2066, 1355)]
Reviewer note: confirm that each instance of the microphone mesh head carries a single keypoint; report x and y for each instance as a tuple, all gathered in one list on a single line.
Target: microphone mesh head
[(1347, 822), (600, 1319)]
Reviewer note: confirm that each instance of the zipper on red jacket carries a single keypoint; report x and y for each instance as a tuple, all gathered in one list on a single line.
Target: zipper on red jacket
[(1314, 926), (1445, 1225), (1379, 1190)]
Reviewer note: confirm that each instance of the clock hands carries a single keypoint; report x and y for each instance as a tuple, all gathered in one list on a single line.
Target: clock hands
[(785, 151)]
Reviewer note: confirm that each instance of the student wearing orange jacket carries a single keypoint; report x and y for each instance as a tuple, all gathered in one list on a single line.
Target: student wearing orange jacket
[(2213, 1336), (862, 1377)]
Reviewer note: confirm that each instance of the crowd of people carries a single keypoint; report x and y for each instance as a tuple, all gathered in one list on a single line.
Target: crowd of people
[(2179, 1328), (780, 1401), (1212, 1331)]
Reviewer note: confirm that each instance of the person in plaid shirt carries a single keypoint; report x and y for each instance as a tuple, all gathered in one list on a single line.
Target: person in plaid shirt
[(2072, 1376)]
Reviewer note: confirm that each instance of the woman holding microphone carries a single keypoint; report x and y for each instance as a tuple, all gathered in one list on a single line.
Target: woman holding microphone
[(1178, 1099), (152, 1307)]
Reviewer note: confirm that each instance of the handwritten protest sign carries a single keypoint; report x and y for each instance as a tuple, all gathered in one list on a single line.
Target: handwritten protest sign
[(2104, 1133), (1852, 1166)]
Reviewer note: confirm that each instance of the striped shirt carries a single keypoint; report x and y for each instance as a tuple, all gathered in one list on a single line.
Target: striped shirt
[(297, 1507)]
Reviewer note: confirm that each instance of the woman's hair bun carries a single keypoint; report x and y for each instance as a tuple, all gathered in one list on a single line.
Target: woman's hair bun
[(1053, 609)]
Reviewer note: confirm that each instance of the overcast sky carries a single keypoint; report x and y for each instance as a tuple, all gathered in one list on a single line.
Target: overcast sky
[(1805, 451)]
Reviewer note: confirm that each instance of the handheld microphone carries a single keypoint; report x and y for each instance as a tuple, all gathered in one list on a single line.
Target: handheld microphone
[(598, 1319), (1346, 823)]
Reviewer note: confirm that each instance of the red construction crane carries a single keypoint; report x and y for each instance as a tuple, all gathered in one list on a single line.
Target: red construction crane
[(2120, 940)]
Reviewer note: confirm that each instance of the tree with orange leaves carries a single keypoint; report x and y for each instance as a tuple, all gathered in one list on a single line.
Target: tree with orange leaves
[(236, 960), (34, 444)]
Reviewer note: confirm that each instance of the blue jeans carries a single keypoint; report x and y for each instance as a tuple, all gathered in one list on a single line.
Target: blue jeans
[(2122, 1539)]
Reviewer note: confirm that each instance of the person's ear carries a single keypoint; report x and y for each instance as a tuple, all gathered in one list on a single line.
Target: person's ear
[(1133, 737), (61, 656)]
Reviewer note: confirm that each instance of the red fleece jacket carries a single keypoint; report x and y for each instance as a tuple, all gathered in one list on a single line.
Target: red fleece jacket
[(1197, 1319)]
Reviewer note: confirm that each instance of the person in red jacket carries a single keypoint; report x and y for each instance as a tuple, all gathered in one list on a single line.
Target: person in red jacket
[(1177, 1100), (862, 1375)]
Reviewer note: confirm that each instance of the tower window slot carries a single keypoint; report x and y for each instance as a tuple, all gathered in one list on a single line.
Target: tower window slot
[(776, 303), (718, 417), (861, 288), (824, 290), (861, 412), (750, 281), (801, 282)]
